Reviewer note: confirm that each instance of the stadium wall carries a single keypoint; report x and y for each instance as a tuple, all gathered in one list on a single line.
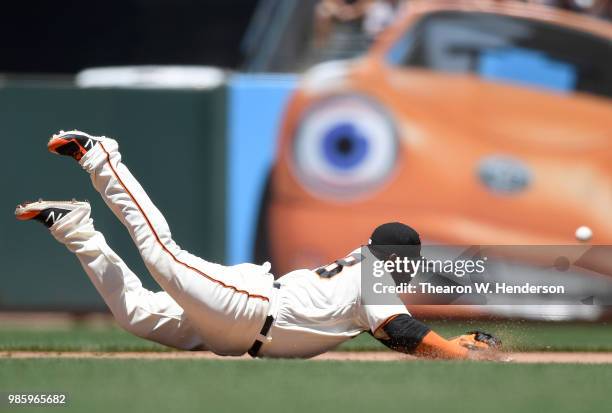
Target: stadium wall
[(172, 140)]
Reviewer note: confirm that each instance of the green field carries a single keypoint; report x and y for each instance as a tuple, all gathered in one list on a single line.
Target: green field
[(517, 336), (117, 385), (306, 386)]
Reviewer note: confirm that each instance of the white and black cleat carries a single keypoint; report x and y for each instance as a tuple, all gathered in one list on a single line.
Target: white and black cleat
[(47, 212), (72, 143)]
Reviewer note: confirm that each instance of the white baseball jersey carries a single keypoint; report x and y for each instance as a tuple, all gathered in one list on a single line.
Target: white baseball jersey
[(316, 313), (206, 305)]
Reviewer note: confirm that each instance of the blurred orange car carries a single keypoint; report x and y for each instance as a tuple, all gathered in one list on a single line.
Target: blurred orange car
[(476, 122)]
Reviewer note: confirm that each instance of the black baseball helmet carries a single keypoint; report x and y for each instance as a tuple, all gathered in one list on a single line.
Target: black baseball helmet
[(395, 238)]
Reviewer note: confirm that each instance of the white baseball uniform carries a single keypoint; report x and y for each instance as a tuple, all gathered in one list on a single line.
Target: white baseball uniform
[(206, 305)]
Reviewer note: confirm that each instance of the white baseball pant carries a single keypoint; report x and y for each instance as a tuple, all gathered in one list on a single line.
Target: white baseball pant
[(154, 316), (224, 306)]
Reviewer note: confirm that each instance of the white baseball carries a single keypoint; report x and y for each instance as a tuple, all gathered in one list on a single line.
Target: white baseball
[(583, 233)]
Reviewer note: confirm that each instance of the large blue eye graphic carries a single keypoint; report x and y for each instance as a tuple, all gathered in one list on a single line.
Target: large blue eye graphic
[(345, 147)]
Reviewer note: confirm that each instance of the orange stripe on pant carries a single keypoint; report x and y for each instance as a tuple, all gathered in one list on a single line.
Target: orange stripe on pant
[(163, 246)]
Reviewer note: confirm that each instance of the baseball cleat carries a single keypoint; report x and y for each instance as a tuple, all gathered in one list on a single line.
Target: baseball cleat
[(72, 143), (47, 212)]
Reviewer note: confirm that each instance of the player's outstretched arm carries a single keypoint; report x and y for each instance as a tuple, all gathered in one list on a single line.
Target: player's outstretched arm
[(474, 345), (408, 335)]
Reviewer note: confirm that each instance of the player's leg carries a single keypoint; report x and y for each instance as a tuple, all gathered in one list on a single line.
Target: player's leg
[(154, 316), (228, 306)]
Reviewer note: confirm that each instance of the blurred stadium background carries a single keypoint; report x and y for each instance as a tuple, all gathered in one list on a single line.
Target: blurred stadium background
[(253, 123), (201, 95)]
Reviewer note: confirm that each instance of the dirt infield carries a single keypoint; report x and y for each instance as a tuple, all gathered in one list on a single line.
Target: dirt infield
[(536, 357)]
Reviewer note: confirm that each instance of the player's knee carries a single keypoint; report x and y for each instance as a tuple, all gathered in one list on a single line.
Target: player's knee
[(135, 326), (132, 318)]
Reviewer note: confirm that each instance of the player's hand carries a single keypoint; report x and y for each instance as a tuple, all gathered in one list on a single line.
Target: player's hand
[(478, 341), (482, 346)]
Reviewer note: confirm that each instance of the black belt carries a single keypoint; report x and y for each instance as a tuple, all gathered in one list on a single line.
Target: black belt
[(254, 350)]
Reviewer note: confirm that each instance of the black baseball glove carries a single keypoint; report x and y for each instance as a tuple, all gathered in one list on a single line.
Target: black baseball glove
[(478, 340)]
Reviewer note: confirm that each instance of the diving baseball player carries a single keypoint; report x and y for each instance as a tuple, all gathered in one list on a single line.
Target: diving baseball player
[(229, 310)]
